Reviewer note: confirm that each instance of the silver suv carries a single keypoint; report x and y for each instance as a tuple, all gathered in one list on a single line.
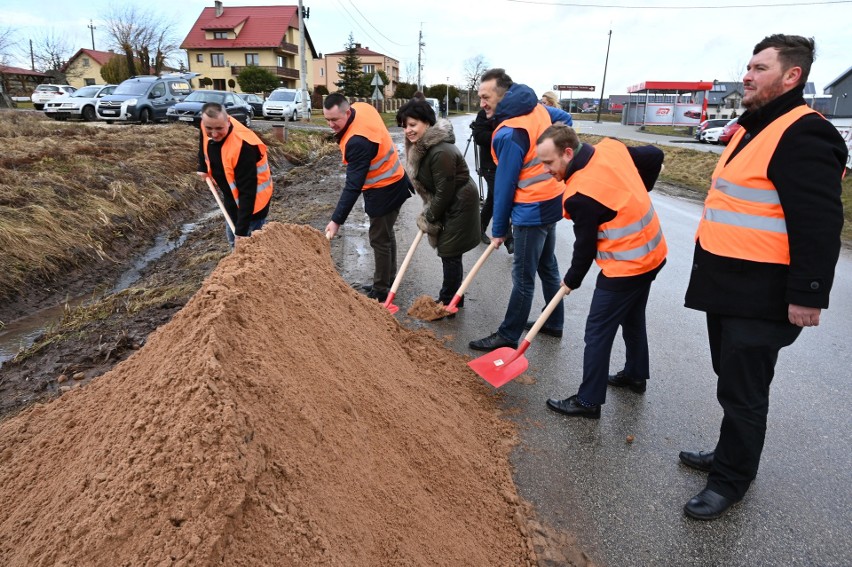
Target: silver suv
[(143, 99)]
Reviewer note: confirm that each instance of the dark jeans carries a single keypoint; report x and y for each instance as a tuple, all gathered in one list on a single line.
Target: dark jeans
[(744, 353), (453, 275), (487, 210), (253, 225), (383, 243), (609, 310), (535, 248)]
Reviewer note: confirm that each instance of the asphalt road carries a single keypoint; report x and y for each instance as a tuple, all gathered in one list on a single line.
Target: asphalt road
[(624, 500)]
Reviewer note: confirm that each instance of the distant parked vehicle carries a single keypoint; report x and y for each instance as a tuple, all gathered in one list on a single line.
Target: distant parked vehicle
[(144, 99), (286, 104), (436, 106), (729, 130), (45, 93), (711, 135), (255, 101), (189, 111), (711, 123), (79, 104)]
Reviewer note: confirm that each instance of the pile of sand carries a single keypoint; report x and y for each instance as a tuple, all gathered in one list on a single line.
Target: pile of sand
[(279, 419)]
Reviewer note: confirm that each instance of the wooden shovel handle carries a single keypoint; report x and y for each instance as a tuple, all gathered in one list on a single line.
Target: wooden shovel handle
[(475, 269), (539, 323), (398, 279), (221, 206)]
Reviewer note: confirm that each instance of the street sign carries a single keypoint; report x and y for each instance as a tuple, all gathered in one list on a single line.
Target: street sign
[(589, 88), (377, 94), (377, 81)]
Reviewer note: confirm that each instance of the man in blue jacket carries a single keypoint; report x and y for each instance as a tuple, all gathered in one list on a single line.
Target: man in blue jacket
[(526, 193)]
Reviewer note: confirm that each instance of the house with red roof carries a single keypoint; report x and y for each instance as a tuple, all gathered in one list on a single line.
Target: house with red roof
[(327, 69), (84, 67), (226, 39)]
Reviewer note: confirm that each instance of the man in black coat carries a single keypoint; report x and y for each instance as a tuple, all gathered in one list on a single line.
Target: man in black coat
[(765, 254), (483, 129)]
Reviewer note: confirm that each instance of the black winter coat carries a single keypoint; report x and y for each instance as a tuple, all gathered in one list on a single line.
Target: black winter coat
[(450, 197), (806, 170)]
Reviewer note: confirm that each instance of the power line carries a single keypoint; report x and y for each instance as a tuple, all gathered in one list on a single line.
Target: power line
[(377, 29), (725, 7), (362, 29)]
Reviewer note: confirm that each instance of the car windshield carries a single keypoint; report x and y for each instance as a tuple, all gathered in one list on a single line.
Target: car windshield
[(132, 88), (286, 96), (47, 88), (201, 96), (86, 92)]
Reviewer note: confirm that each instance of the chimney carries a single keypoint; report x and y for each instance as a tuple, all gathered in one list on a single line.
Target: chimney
[(357, 46), (219, 8)]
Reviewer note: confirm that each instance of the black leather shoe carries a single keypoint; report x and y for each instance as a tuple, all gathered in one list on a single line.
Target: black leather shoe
[(571, 406), (492, 342), (510, 246), (544, 330), (380, 296), (621, 380), (485, 239), (701, 460), (707, 505)]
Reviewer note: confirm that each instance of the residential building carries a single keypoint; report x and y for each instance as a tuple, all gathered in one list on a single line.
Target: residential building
[(840, 90), (18, 82), (224, 40), (84, 67), (327, 69)]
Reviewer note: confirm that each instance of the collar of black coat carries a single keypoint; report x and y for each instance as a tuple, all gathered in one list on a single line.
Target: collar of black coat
[(581, 159), (754, 122), (339, 135)]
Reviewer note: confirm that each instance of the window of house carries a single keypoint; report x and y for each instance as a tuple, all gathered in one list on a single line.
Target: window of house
[(85, 62), (322, 72), (217, 59), (220, 35), (89, 81), (280, 61), (199, 57), (252, 59), (369, 68), (219, 84), (340, 67)]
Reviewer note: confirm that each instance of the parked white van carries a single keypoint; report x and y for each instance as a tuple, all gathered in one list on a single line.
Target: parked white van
[(287, 104), (436, 106)]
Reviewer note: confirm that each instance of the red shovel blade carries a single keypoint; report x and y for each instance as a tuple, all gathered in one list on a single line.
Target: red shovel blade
[(502, 365), (389, 303)]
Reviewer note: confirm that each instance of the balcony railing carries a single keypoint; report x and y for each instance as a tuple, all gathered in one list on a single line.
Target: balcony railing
[(289, 48), (282, 72)]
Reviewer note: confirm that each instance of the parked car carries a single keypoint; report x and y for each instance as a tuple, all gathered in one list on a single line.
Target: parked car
[(436, 106), (286, 104), (144, 99), (189, 110), (255, 101), (45, 93), (711, 123), (711, 135), (729, 130), (79, 104)]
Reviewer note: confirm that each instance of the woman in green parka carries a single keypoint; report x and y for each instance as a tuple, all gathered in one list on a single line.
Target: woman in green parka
[(441, 177)]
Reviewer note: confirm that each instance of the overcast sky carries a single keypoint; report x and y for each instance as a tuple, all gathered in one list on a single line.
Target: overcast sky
[(538, 43)]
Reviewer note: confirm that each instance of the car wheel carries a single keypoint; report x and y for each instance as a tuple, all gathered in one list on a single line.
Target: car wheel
[(110, 121), (247, 123), (144, 116), (294, 117), (38, 106), (89, 114)]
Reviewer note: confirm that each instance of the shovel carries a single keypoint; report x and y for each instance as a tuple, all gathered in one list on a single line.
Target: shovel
[(453, 306), (396, 281), (503, 365), (221, 206)]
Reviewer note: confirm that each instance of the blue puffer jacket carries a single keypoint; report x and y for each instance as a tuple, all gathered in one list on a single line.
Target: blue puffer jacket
[(511, 145)]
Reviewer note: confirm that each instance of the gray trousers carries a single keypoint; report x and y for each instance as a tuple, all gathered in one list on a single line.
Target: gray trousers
[(383, 243)]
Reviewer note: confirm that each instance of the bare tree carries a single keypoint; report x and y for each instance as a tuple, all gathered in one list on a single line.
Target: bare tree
[(7, 42), (50, 51), (472, 72), (145, 40), (410, 72)]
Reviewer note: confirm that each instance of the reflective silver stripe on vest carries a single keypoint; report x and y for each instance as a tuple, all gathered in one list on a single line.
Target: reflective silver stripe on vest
[(263, 168), (635, 253), (378, 164), (263, 186), (535, 161), (743, 220), (385, 175), (614, 233), (523, 183), (767, 196)]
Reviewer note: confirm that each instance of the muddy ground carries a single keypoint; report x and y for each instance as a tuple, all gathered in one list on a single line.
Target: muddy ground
[(303, 195)]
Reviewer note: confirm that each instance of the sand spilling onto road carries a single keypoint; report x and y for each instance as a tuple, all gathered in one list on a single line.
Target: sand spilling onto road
[(279, 418)]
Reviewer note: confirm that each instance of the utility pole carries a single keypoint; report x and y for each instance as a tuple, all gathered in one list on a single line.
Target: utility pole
[(448, 99), (92, 28), (603, 85), (420, 46), (32, 56), (304, 13)]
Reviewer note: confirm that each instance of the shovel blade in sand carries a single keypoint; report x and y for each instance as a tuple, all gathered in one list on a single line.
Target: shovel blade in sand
[(452, 308), (501, 365)]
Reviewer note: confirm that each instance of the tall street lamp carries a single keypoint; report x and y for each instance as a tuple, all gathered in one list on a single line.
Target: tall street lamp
[(603, 85), (447, 105)]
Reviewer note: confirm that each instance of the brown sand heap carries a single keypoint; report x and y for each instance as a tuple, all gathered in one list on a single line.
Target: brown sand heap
[(279, 419), (425, 309)]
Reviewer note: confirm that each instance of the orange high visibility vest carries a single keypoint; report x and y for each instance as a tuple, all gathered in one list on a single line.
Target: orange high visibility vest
[(742, 215), (385, 168), (231, 153), (535, 185), (632, 243)]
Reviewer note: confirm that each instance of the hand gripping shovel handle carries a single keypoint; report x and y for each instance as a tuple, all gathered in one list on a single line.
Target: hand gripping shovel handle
[(453, 306), (219, 202), (396, 281)]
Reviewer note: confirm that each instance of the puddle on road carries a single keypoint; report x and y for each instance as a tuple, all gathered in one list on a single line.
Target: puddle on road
[(22, 333)]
